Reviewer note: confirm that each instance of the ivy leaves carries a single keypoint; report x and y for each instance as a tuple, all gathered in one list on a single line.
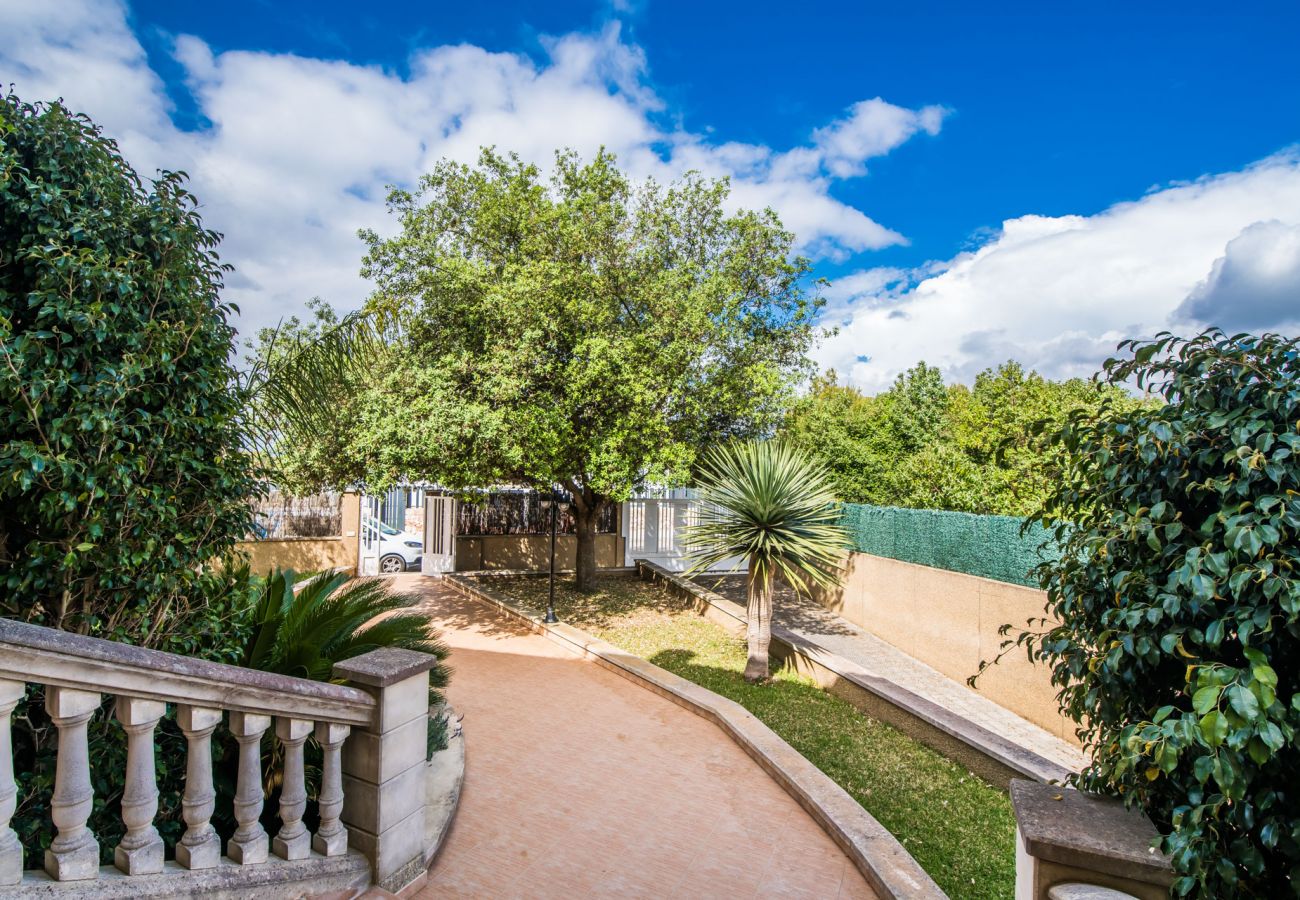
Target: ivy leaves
[(1177, 646)]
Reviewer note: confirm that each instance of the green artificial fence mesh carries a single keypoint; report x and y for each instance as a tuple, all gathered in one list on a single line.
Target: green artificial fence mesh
[(987, 546)]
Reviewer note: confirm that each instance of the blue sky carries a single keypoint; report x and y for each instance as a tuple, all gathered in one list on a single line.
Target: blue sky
[(1031, 182)]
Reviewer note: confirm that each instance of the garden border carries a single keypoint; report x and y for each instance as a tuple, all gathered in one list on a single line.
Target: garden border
[(990, 755), (875, 852)]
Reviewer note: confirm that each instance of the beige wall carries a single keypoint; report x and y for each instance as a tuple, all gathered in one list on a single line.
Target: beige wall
[(531, 552), (950, 621), (310, 554)]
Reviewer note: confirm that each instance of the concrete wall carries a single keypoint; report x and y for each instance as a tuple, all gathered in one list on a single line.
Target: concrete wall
[(310, 554), (531, 552), (950, 622)]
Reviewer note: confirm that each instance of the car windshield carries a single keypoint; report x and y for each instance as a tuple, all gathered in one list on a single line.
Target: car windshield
[(384, 527)]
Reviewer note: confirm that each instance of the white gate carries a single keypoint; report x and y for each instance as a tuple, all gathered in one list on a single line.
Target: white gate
[(368, 536), (654, 530), (439, 535)]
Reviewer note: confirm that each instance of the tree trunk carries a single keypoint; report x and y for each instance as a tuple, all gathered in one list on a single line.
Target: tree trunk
[(758, 624), (586, 514)]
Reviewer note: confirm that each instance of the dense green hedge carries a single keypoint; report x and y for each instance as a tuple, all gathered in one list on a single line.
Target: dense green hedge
[(987, 546)]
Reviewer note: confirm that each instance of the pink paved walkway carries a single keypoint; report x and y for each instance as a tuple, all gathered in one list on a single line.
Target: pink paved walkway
[(579, 783)]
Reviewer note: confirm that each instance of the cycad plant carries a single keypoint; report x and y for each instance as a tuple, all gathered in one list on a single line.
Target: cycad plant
[(771, 503), (305, 633)]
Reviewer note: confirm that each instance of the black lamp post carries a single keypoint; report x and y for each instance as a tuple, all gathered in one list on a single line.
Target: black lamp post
[(552, 501)]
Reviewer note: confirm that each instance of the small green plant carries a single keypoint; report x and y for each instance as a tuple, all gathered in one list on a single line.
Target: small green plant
[(1176, 603), (771, 504), (333, 617)]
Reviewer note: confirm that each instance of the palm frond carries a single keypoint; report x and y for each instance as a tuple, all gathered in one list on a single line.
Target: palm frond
[(334, 618), (771, 503), (290, 388)]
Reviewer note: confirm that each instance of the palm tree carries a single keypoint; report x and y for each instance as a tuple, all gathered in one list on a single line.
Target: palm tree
[(769, 502)]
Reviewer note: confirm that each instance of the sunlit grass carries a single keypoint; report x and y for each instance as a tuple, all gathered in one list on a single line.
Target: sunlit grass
[(958, 827)]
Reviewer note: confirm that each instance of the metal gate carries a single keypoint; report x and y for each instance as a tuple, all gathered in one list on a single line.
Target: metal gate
[(395, 532), (439, 535), (654, 530), (368, 536)]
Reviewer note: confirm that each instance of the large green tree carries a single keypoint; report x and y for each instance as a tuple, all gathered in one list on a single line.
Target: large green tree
[(122, 465), (583, 330)]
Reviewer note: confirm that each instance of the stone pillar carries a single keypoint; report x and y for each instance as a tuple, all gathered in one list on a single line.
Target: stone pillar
[(1067, 841), (248, 845), (73, 855), (384, 769), (140, 851), (200, 846), (11, 851)]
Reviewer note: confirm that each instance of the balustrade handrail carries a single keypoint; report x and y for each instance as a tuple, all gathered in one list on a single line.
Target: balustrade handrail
[(34, 653)]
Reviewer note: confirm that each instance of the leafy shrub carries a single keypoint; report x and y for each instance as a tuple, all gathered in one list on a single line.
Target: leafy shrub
[(220, 631), (305, 633), (331, 618), (123, 471), (1177, 642)]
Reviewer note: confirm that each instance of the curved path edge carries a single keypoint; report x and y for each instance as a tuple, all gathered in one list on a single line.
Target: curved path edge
[(876, 853), (1006, 759), (444, 779)]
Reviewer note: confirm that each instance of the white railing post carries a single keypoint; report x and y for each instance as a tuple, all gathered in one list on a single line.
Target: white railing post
[(11, 851), (140, 852), (331, 838), (200, 846), (248, 845), (292, 841), (73, 855)]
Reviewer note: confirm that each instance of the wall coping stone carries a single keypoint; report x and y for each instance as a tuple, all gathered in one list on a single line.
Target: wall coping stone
[(1087, 831), (874, 851), (385, 666)]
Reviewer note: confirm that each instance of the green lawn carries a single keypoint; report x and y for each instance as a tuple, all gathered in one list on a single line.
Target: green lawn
[(959, 828)]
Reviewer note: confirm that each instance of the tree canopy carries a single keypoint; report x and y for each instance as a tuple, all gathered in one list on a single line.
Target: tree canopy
[(922, 444), (122, 464), (582, 329)]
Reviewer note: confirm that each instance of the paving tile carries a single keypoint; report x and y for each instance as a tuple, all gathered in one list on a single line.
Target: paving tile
[(579, 783)]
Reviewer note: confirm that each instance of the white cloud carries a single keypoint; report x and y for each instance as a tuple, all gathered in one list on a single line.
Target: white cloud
[(1255, 285), (1058, 293), (872, 128), (295, 152)]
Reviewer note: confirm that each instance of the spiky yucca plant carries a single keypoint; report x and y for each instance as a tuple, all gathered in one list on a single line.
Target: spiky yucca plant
[(306, 633), (771, 503)]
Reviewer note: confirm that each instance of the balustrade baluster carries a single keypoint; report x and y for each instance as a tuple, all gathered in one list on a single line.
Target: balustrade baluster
[(248, 845), (200, 846), (140, 851), (73, 855), (292, 841), (331, 838), (11, 851)]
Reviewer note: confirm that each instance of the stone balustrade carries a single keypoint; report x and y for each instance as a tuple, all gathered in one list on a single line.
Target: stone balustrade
[(366, 729)]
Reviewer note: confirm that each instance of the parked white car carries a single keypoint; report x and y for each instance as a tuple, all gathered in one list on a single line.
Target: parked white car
[(398, 550)]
